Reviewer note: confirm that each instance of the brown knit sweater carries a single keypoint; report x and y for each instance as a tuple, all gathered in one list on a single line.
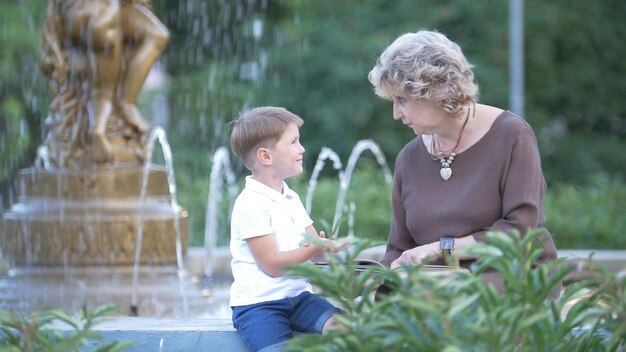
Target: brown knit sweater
[(496, 184)]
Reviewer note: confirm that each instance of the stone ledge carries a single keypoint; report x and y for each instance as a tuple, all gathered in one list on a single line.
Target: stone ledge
[(614, 259), (172, 335)]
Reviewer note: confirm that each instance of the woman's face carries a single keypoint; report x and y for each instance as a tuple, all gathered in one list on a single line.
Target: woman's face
[(422, 116)]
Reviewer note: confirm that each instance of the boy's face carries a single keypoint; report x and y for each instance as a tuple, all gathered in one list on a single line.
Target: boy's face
[(287, 153)]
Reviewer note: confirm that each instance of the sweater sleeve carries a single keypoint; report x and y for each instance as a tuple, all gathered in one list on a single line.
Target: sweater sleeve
[(522, 187), (400, 238)]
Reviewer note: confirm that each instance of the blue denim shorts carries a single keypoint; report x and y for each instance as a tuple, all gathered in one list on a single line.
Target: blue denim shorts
[(270, 323)]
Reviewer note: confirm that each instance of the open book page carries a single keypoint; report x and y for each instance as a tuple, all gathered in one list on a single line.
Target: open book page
[(365, 264), (360, 265), (385, 282)]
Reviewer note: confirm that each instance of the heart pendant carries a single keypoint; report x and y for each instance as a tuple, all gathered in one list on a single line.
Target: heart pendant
[(445, 173)]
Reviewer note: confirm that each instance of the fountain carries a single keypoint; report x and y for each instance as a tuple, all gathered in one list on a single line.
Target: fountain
[(220, 169), (93, 207), (358, 149), (345, 177), (325, 153), (95, 220), (157, 134), (76, 206)]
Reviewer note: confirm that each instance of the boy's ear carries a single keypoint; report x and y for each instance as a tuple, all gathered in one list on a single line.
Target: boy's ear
[(264, 156)]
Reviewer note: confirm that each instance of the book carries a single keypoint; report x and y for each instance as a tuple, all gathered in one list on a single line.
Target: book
[(374, 266), (376, 269)]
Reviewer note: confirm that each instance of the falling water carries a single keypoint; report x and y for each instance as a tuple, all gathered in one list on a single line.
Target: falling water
[(344, 182), (220, 167), (351, 210), (158, 134), (325, 153), (42, 159)]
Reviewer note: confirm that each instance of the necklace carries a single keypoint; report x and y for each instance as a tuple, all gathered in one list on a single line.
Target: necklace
[(447, 157)]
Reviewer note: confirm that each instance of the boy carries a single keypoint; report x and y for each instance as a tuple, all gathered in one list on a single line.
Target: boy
[(268, 229)]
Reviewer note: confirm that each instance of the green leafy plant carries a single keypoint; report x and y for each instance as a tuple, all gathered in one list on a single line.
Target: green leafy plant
[(53, 330), (587, 216), (461, 312)]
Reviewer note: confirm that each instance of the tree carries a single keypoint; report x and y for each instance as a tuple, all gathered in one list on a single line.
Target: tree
[(23, 98)]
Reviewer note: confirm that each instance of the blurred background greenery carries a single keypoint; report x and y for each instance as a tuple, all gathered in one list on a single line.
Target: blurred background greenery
[(313, 57)]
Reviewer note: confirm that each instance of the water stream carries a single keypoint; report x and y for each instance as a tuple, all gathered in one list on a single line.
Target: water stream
[(158, 135), (42, 159), (220, 170), (325, 153), (344, 182)]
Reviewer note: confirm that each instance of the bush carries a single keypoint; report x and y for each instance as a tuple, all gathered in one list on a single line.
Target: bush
[(41, 331), (589, 216), (570, 159), (463, 313)]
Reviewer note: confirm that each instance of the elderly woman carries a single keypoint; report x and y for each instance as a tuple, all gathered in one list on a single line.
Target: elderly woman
[(472, 168)]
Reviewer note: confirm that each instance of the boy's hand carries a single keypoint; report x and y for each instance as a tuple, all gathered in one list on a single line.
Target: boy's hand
[(330, 244)]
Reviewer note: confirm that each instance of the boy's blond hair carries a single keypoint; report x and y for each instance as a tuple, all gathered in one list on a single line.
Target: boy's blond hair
[(260, 127)]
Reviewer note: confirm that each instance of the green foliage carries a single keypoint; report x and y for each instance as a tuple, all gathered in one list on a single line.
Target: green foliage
[(367, 202), (16, 139), (461, 312), (579, 156), (571, 63), (318, 67), (338, 279), (590, 216), (192, 169), (207, 99), (211, 59), (53, 330), (23, 100)]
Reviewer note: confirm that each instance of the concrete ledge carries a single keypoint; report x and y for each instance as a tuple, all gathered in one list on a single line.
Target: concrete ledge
[(172, 335), (613, 259)]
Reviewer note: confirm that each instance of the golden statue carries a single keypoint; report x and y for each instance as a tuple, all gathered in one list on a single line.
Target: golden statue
[(96, 56), (85, 206)]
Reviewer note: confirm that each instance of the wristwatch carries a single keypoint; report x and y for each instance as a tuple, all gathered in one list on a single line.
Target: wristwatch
[(446, 244)]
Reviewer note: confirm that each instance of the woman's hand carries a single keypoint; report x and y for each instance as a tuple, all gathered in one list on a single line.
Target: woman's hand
[(417, 255)]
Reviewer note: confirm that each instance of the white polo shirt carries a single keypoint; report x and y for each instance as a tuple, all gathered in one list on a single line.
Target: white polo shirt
[(260, 210)]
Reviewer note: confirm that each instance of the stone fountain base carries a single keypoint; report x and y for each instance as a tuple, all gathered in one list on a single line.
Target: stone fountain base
[(77, 218)]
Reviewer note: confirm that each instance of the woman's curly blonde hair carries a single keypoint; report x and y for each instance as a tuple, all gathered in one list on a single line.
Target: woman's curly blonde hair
[(425, 65)]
